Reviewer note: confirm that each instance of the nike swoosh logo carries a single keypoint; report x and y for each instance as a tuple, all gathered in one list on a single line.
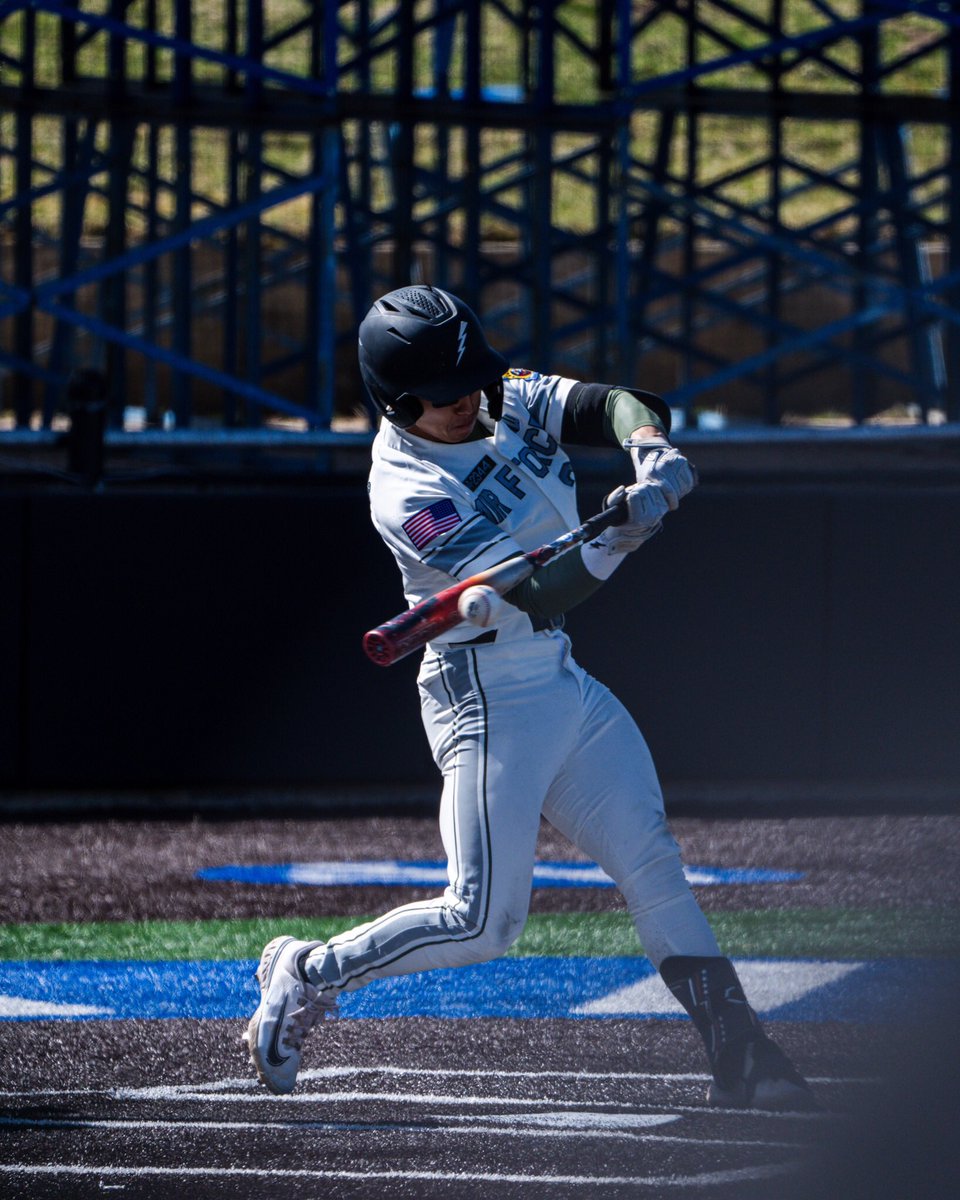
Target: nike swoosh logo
[(274, 1057)]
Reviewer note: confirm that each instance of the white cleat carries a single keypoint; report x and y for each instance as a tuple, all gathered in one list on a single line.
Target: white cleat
[(289, 1008)]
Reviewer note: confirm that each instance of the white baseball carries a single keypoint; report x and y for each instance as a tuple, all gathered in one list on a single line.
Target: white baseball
[(478, 604)]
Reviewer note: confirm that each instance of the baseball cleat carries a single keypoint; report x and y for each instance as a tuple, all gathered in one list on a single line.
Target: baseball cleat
[(289, 1008), (757, 1074)]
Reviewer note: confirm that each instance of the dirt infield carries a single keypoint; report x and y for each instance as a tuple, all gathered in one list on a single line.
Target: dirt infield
[(140, 870)]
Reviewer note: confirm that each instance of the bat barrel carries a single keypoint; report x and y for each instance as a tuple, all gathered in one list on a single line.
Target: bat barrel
[(412, 629)]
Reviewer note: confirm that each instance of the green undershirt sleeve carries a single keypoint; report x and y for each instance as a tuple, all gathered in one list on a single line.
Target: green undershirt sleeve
[(555, 588), (566, 582), (624, 413)]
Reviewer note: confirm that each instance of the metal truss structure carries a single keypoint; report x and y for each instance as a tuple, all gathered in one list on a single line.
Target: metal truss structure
[(747, 205)]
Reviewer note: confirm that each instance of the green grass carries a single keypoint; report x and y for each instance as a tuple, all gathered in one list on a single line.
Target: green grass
[(794, 933)]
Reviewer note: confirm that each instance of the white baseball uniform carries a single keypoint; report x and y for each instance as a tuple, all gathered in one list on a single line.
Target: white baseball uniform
[(516, 727)]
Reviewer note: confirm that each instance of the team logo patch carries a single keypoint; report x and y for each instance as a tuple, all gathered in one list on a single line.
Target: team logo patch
[(520, 373), (430, 522), (479, 472)]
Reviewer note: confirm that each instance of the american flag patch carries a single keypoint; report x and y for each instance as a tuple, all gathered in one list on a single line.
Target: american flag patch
[(430, 522)]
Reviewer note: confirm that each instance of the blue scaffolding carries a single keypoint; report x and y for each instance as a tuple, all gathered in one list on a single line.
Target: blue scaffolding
[(747, 205)]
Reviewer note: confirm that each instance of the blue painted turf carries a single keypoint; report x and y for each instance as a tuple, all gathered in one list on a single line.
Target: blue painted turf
[(521, 987), (433, 873)]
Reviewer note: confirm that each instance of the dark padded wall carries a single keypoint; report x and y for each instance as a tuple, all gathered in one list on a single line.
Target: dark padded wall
[(206, 639), (12, 514), (892, 693), (178, 639), (713, 635), (792, 633)]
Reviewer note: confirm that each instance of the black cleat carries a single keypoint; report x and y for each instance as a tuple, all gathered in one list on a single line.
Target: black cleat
[(756, 1073)]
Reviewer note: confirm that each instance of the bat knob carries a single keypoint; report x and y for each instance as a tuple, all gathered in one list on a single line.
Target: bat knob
[(378, 648)]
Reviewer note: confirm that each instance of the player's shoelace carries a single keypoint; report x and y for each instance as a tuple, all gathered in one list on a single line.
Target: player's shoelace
[(314, 1005)]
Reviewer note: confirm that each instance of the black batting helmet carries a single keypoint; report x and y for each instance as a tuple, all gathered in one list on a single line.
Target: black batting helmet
[(421, 343)]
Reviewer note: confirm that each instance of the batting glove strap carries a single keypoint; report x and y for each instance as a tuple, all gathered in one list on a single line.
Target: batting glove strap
[(658, 441), (655, 460)]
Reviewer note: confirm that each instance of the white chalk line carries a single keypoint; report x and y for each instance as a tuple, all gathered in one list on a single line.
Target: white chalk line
[(217, 1126), (482, 1072), (708, 1179), (594, 1123), (454, 1073), (487, 1129), (441, 1099), (196, 1091), (246, 1090), (503, 1124)]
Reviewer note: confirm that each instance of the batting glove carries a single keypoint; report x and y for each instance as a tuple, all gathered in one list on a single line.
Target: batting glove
[(646, 506), (655, 459)]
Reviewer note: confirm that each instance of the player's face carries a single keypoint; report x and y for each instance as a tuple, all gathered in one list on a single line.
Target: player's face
[(451, 423)]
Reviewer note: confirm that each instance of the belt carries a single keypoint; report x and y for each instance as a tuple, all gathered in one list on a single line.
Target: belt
[(539, 625), (489, 636)]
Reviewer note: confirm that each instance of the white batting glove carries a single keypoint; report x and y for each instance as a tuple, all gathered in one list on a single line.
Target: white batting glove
[(655, 459), (646, 505), (481, 605)]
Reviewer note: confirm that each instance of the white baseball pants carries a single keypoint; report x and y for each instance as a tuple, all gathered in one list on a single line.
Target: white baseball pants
[(520, 730)]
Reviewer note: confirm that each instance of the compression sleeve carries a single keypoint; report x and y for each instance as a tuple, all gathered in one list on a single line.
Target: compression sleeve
[(595, 414), (555, 588), (625, 412)]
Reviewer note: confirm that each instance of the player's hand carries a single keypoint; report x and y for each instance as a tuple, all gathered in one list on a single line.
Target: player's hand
[(646, 505), (654, 459)]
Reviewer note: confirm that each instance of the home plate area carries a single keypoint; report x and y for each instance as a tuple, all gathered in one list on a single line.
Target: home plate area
[(358, 1130)]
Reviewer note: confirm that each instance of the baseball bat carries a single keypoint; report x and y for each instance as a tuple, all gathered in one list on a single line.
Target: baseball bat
[(403, 634)]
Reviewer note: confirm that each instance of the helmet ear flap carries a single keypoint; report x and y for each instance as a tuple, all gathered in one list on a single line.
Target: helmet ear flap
[(403, 411)]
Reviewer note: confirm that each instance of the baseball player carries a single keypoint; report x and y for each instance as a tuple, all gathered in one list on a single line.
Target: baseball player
[(469, 470)]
